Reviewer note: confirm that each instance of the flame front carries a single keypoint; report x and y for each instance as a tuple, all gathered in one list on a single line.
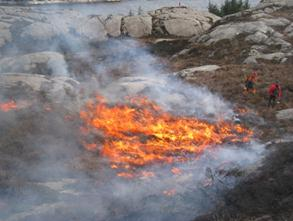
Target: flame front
[(8, 106), (139, 133)]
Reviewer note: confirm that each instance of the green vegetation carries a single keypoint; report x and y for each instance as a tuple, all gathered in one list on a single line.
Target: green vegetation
[(229, 7)]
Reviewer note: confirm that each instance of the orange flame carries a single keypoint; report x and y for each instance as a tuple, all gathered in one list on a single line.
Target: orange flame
[(8, 106), (139, 133)]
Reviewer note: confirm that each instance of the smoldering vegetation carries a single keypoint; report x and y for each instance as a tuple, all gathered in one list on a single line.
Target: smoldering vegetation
[(45, 172)]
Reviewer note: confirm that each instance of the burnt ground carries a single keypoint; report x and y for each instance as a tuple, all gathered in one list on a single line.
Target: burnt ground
[(266, 194)]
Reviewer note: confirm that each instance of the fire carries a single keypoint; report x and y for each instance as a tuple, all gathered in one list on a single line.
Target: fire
[(8, 106), (170, 192), (125, 175), (90, 146), (147, 174), (176, 171), (139, 133)]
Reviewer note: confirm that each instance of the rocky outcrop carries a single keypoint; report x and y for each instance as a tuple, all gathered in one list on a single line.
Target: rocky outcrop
[(277, 57), (286, 114), (137, 26), (181, 21), (44, 63), (44, 31), (267, 36), (282, 2), (289, 30), (190, 73), (24, 24), (232, 30), (5, 34), (135, 85), (113, 25), (90, 28), (57, 89)]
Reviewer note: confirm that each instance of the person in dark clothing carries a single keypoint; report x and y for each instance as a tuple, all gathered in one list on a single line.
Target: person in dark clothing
[(274, 93)]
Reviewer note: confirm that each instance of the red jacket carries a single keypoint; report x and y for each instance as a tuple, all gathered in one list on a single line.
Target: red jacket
[(273, 88)]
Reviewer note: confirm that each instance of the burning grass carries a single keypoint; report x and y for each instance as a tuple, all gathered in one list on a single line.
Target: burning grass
[(8, 106), (139, 133)]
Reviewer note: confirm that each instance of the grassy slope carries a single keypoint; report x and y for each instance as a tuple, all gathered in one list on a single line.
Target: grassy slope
[(268, 191)]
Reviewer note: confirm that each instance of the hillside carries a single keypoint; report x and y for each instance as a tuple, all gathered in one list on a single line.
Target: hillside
[(254, 40), (144, 117)]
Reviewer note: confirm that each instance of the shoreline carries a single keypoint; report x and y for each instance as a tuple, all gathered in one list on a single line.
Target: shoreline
[(55, 2)]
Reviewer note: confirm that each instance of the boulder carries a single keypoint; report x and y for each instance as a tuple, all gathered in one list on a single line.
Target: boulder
[(275, 22), (257, 38), (289, 30), (134, 85), (190, 72), (286, 114), (182, 27), (137, 26), (90, 28), (278, 2), (58, 89), (181, 21), (113, 25), (232, 30), (28, 25), (5, 34), (256, 32), (46, 63), (277, 57), (261, 15), (44, 31)]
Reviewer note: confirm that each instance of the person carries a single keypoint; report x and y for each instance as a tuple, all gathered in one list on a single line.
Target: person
[(236, 119), (250, 81), (274, 93)]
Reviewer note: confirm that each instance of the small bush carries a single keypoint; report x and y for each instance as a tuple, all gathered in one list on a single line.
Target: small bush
[(229, 7)]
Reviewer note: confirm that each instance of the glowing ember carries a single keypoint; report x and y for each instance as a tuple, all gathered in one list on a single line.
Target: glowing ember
[(170, 192), (90, 146), (125, 175), (8, 106), (176, 171), (146, 174), (140, 133)]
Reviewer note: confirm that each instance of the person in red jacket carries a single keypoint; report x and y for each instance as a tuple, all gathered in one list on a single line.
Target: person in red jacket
[(274, 93)]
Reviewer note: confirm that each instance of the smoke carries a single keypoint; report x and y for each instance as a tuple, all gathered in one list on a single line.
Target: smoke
[(48, 174)]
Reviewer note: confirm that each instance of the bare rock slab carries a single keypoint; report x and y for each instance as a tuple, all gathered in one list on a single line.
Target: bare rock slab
[(286, 114), (137, 26)]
